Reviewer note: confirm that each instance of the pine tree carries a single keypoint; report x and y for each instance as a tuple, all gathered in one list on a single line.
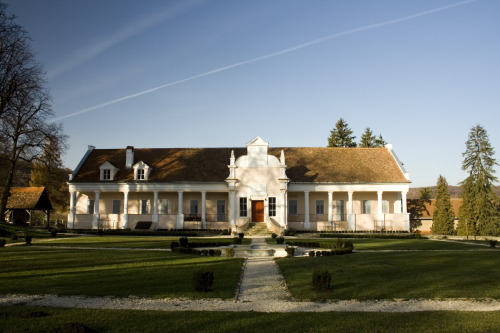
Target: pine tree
[(478, 214), (443, 218), (380, 142), (418, 207), (341, 135), (367, 139)]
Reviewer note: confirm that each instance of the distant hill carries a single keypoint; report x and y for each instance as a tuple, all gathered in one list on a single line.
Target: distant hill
[(455, 191)]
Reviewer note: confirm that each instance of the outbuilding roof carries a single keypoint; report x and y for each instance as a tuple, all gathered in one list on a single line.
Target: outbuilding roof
[(35, 198), (316, 165)]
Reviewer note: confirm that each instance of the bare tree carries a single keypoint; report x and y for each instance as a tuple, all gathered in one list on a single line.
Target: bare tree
[(25, 108)]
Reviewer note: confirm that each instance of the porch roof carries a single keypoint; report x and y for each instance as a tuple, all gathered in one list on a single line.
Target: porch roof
[(314, 165)]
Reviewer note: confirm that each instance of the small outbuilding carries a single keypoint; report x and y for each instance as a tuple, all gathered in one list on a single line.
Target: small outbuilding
[(24, 201)]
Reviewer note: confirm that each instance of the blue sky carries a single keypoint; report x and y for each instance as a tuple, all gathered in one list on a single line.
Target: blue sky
[(217, 73)]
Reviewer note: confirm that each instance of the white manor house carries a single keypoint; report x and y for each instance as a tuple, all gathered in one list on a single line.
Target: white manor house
[(340, 189)]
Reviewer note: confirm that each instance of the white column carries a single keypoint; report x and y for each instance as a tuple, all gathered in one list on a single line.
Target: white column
[(330, 206), (232, 210), (307, 224), (125, 210), (71, 216), (403, 199), (154, 218), (283, 223), (203, 210), (379, 205), (95, 222), (180, 214), (350, 216)]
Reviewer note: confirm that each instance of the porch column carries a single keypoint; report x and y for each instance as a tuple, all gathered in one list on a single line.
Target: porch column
[(95, 222), (403, 199), (71, 216), (283, 223), (307, 224), (232, 210), (330, 206), (125, 210), (154, 218), (379, 205), (203, 209), (180, 214), (350, 217)]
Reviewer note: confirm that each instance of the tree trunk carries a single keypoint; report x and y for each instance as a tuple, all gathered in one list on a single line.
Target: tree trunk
[(6, 191)]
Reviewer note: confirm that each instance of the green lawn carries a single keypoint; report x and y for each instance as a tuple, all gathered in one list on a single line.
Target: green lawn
[(397, 244), (386, 275), (156, 274), (147, 242), (14, 319)]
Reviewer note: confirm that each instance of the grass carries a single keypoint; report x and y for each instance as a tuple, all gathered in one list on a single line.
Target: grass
[(155, 274), (146, 242), (14, 319), (372, 275), (394, 244)]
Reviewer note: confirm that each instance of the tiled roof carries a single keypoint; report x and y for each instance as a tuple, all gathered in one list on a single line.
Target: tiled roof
[(332, 165), (28, 198)]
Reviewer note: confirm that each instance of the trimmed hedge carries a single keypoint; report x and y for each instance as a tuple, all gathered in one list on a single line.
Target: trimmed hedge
[(208, 253), (368, 235)]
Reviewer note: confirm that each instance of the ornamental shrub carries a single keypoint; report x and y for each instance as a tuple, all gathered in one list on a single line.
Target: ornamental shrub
[(290, 251), (311, 253), (53, 232), (204, 252), (211, 252), (2, 242), (183, 241), (100, 232), (321, 280), (492, 242), (241, 235), (217, 252), (28, 239), (174, 244), (280, 240), (236, 240), (273, 235), (229, 252), (14, 237), (203, 280)]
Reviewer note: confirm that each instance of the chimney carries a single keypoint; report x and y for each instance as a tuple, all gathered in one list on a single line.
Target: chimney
[(129, 157)]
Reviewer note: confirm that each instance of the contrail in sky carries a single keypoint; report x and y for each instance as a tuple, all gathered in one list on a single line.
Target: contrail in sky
[(270, 55)]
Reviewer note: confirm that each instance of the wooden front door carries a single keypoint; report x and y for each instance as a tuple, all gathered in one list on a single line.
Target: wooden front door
[(258, 211)]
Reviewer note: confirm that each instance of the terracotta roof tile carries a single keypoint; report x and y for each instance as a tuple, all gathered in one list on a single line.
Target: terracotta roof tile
[(333, 165)]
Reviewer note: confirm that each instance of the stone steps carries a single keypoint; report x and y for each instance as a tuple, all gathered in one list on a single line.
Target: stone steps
[(258, 229)]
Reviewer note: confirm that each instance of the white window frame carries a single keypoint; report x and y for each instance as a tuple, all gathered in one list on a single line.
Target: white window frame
[(106, 174), (320, 207), (366, 207), (293, 209), (243, 207), (90, 206), (272, 206), (163, 206), (115, 203), (144, 206), (141, 174), (193, 207)]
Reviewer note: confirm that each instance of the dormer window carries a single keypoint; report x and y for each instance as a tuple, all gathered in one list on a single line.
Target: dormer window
[(107, 171), (141, 171)]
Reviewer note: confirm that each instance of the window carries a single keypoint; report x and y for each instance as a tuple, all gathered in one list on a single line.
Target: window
[(117, 206), (272, 206), (221, 210), (145, 206), (106, 174), (193, 207), (292, 207), (385, 206), (340, 209), (320, 207), (90, 206), (140, 174), (243, 207), (367, 206), (163, 206)]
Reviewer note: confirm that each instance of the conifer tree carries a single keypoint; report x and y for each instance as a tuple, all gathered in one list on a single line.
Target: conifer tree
[(367, 139), (341, 135), (380, 142), (478, 214), (443, 218)]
